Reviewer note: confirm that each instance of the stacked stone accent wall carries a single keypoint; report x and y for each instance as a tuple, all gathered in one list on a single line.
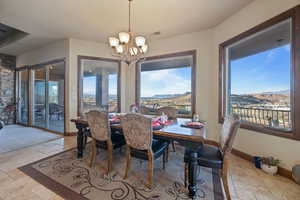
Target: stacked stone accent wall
[(7, 88)]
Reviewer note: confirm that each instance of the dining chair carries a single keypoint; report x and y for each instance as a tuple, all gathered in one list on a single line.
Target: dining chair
[(217, 156), (144, 110), (102, 136), (137, 130), (171, 112)]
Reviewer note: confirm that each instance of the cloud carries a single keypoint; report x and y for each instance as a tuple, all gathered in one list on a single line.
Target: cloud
[(165, 82)]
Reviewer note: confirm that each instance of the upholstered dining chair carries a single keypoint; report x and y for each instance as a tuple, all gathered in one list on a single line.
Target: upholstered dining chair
[(171, 112), (137, 130), (102, 136), (144, 110), (217, 156)]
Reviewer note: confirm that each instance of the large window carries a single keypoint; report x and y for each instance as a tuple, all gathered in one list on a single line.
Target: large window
[(99, 84), (257, 77), (167, 81)]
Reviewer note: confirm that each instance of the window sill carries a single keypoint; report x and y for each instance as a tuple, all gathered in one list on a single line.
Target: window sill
[(269, 131)]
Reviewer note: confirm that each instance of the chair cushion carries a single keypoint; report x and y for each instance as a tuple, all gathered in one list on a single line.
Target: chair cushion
[(210, 156), (117, 140), (158, 148)]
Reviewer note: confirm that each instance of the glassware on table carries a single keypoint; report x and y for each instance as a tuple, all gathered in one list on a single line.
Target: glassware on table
[(196, 118)]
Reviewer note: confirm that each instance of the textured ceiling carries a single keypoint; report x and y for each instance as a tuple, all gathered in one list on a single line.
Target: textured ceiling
[(95, 20)]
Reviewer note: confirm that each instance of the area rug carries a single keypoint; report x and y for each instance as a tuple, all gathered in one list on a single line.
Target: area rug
[(71, 178), (14, 137)]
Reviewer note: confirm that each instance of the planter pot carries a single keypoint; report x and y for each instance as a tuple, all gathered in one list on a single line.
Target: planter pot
[(269, 169)]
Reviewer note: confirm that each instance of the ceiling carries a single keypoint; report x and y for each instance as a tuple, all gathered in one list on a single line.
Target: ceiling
[(273, 37), (95, 20)]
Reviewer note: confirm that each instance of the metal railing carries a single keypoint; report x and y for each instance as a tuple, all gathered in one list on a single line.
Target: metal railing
[(266, 117), (181, 109)]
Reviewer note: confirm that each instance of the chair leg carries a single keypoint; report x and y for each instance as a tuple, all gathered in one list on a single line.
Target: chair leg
[(173, 146), (128, 158), (150, 168), (109, 151), (94, 152), (164, 159), (186, 171), (167, 156), (224, 176)]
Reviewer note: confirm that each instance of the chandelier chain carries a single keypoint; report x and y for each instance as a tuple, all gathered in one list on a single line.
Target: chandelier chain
[(129, 16)]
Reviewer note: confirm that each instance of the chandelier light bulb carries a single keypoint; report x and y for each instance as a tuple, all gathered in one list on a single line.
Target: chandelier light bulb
[(144, 48), (119, 49), (124, 37), (113, 41), (140, 41), (126, 46)]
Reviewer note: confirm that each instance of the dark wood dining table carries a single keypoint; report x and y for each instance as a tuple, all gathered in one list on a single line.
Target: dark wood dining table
[(191, 139)]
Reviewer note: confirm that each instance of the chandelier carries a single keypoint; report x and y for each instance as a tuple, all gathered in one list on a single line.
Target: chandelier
[(128, 47)]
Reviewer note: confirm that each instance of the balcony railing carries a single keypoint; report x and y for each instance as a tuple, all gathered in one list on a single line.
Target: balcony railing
[(280, 119), (181, 109)]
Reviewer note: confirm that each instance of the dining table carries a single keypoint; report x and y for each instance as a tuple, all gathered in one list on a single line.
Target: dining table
[(192, 139)]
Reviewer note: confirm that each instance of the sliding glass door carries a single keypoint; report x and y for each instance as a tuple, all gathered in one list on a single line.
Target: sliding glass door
[(55, 97), (22, 97), (39, 100), (41, 96)]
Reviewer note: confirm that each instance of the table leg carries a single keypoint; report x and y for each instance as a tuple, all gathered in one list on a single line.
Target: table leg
[(192, 165), (80, 138)]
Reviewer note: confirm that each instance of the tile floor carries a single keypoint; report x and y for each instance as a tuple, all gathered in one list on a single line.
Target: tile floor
[(246, 182)]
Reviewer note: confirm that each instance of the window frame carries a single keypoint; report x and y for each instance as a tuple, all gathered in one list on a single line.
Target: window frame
[(294, 15), (192, 53), (80, 80)]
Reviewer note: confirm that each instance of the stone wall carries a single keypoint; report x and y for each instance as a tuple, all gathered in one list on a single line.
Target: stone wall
[(7, 88)]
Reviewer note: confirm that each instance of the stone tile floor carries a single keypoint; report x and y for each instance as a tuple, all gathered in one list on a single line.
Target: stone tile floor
[(246, 182)]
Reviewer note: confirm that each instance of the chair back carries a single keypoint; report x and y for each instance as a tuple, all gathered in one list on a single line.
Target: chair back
[(137, 130), (171, 112), (99, 125), (145, 110), (228, 133)]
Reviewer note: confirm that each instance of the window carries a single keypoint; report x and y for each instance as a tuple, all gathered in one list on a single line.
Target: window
[(257, 77), (99, 84), (167, 81)]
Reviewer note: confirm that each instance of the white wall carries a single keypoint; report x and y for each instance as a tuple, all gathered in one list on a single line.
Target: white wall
[(251, 142)]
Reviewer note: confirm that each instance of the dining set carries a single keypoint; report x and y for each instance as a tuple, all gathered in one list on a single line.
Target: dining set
[(148, 137)]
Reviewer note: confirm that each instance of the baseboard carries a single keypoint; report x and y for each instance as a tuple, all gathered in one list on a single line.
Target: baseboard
[(70, 134), (281, 171)]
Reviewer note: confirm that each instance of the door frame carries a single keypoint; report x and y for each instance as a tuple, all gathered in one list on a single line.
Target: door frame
[(30, 69)]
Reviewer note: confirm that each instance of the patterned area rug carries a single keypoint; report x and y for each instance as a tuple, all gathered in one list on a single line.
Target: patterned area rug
[(72, 179)]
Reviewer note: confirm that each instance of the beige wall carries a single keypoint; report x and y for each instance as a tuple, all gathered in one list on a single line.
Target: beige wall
[(56, 50), (249, 141)]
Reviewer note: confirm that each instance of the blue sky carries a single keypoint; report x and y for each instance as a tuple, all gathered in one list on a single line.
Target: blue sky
[(167, 81), (263, 72)]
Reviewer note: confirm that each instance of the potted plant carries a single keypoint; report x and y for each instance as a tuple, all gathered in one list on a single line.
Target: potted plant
[(270, 165)]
